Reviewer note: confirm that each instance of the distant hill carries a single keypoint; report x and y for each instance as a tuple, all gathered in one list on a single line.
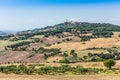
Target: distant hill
[(2, 33), (82, 26), (97, 29), (71, 26)]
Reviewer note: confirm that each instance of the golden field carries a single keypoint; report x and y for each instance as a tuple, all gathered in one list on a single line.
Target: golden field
[(67, 77)]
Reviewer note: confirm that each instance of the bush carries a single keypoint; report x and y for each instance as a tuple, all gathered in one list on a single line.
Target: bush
[(65, 60), (47, 45), (85, 38), (109, 63), (65, 54)]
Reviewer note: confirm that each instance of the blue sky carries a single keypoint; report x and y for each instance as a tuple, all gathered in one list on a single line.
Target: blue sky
[(29, 14)]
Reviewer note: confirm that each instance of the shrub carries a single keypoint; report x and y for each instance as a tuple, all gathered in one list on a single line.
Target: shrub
[(65, 54), (109, 63), (65, 60)]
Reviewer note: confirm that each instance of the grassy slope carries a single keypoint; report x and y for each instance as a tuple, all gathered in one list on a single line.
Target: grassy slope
[(78, 46), (7, 42), (84, 64), (99, 42)]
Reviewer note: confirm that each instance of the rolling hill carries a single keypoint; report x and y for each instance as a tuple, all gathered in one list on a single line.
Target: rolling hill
[(51, 43)]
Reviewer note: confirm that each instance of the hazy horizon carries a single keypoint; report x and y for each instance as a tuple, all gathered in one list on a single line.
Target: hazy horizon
[(18, 15)]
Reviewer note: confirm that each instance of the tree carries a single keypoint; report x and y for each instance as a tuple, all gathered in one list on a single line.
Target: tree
[(73, 53), (109, 63), (6, 48), (90, 54), (65, 54)]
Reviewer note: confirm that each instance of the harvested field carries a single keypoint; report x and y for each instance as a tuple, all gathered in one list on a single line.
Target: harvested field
[(67, 77), (20, 56), (99, 42)]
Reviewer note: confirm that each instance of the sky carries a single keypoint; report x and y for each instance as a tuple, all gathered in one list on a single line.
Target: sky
[(18, 15)]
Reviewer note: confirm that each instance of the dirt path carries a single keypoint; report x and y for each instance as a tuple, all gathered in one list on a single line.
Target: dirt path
[(73, 77)]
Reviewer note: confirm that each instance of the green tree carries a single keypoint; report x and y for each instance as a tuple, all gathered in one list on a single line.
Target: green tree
[(109, 63), (65, 54), (73, 53)]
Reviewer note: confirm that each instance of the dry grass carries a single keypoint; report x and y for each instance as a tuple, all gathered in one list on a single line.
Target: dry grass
[(55, 58), (84, 64), (99, 42), (85, 52), (38, 36), (4, 43), (60, 77), (78, 46), (66, 77), (12, 56), (116, 35)]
